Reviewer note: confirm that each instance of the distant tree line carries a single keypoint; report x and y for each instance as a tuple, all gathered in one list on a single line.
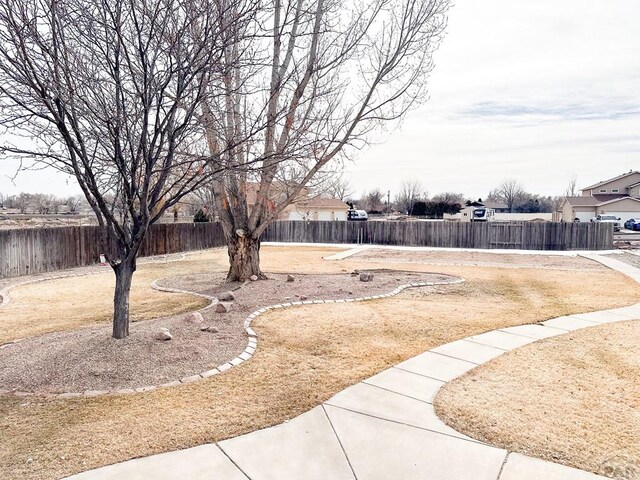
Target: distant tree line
[(42, 203), (512, 193)]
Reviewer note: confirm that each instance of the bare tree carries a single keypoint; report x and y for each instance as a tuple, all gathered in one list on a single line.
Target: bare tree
[(107, 91), (572, 189), (373, 200), (510, 191), (411, 191), (45, 203), (74, 202), (23, 201), (308, 82), (337, 187), (449, 197)]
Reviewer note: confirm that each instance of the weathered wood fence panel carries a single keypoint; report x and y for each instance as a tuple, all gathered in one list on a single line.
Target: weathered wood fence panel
[(490, 235), (27, 251)]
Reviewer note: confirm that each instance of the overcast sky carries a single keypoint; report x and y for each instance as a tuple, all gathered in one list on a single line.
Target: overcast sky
[(535, 90)]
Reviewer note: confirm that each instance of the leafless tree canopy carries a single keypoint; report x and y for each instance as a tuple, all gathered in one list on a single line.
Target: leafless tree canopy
[(108, 91), (335, 186), (510, 191), (373, 200), (449, 197), (308, 82), (572, 189), (411, 191)]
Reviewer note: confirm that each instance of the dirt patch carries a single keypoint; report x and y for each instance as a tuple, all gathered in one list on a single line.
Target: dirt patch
[(481, 259), (89, 359), (572, 399)]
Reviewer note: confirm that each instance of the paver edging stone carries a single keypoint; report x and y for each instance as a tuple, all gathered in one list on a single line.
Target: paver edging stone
[(245, 355)]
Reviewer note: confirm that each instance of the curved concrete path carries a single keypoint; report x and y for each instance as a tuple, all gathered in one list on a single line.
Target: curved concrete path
[(382, 428)]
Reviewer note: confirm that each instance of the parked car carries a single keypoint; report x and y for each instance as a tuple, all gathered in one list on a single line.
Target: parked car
[(608, 219), (632, 224)]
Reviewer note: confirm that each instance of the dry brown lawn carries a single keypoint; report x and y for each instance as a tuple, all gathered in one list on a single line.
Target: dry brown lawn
[(573, 399), (305, 355), (74, 302)]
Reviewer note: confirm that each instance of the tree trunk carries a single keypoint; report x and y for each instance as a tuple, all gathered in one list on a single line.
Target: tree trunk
[(244, 258), (124, 274)]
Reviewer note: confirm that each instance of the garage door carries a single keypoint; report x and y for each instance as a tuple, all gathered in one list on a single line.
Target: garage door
[(584, 216)]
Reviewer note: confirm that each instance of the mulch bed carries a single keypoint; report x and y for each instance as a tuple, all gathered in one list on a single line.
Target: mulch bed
[(89, 359)]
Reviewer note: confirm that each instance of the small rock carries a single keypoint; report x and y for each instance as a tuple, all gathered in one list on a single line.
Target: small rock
[(355, 273), (366, 277), (223, 307), (286, 299), (209, 328), (195, 317), (303, 297), (163, 334), (290, 278), (226, 296), (253, 278)]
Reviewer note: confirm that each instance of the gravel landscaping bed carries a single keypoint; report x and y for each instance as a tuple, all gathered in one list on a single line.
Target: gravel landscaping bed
[(628, 258), (88, 359)]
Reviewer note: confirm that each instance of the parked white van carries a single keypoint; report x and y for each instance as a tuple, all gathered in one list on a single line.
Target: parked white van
[(357, 215)]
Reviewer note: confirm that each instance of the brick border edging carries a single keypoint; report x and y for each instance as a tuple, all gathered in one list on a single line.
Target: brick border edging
[(248, 352)]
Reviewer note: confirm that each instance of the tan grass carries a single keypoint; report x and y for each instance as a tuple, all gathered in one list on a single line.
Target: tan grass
[(70, 303), (572, 399), (305, 355)]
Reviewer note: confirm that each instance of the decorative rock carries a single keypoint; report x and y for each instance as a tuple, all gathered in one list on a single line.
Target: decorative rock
[(209, 328), (290, 278), (223, 307), (163, 334), (303, 297), (226, 296), (195, 317), (366, 277), (253, 278)]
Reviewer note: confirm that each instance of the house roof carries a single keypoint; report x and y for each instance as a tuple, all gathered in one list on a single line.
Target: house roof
[(597, 200), (583, 201), (495, 205), (319, 202), (604, 182), (606, 197), (619, 199)]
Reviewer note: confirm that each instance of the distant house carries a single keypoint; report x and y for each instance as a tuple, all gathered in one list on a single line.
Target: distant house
[(316, 208), (496, 206), (305, 206), (619, 196)]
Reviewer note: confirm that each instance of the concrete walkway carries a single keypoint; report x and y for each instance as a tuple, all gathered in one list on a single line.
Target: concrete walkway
[(382, 428)]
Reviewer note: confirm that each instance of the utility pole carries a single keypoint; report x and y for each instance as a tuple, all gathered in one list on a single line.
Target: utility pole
[(388, 202)]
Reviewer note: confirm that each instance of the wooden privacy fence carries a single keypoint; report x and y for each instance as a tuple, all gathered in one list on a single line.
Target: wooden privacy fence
[(513, 235), (28, 251)]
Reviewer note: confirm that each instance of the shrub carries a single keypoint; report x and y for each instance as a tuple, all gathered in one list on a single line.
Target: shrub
[(200, 216)]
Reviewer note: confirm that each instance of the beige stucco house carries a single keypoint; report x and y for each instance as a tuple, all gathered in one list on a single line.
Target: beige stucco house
[(316, 208), (619, 196)]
